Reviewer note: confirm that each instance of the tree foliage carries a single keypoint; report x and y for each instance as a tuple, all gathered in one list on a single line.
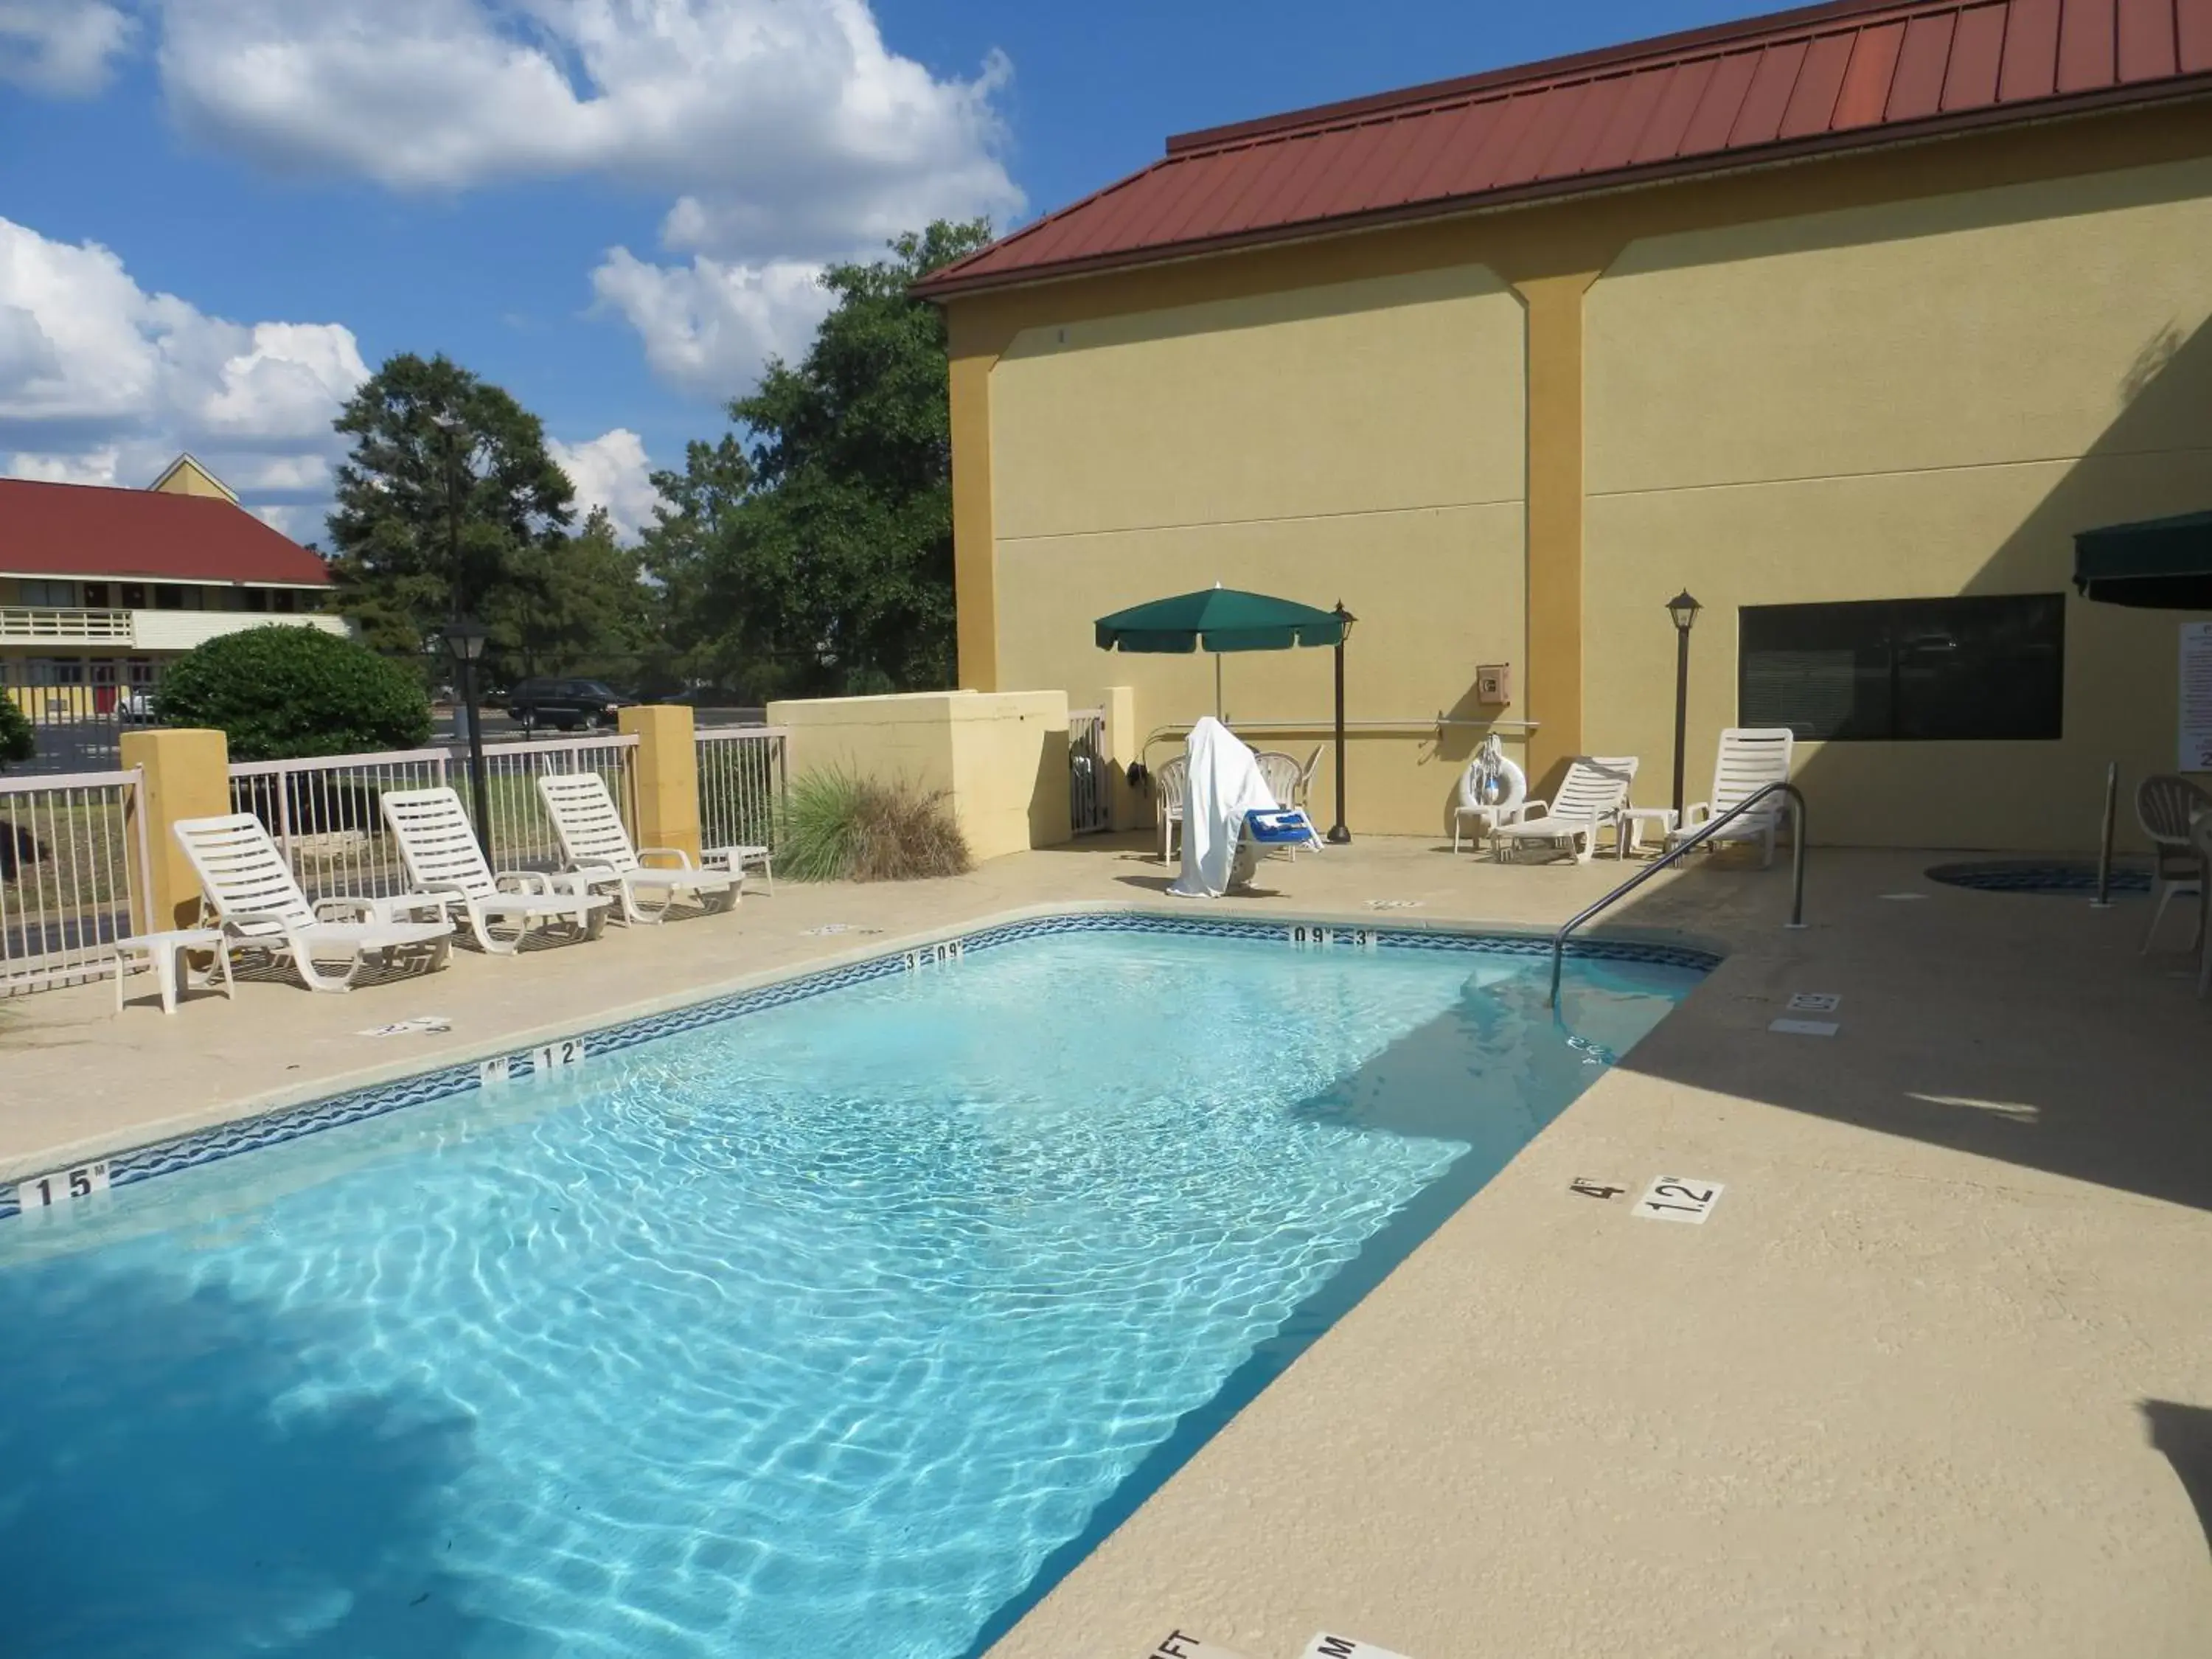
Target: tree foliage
[(816, 553), (448, 504), (18, 743), (282, 692), (577, 606)]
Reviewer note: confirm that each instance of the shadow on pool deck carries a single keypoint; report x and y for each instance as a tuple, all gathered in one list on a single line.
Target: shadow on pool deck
[(2023, 1027), (170, 1486)]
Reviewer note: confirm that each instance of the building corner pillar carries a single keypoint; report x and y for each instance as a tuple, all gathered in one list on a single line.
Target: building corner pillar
[(974, 546), (1554, 305)]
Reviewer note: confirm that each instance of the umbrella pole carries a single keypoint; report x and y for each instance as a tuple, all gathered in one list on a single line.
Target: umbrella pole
[(1217, 685), (1338, 834)]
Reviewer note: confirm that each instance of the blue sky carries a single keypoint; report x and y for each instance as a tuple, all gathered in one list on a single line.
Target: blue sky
[(217, 215)]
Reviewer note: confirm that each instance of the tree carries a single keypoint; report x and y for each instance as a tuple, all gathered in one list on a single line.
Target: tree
[(818, 555), (283, 691), (578, 606), (447, 495), (18, 743)]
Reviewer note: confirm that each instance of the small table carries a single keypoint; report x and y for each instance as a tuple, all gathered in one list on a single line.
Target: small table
[(165, 954), (735, 860), (1628, 830)]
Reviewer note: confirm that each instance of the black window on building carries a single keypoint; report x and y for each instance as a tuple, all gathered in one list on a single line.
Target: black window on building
[(1987, 667)]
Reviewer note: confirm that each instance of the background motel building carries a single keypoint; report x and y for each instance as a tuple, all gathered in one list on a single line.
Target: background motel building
[(1845, 319), (100, 586)]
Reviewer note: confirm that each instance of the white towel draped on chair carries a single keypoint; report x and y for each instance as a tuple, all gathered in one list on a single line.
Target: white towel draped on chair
[(1225, 784)]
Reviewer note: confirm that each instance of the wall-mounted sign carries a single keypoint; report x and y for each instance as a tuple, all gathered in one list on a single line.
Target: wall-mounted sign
[(2197, 697)]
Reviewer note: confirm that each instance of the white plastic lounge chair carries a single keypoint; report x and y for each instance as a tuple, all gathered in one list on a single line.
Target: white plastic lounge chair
[(2164, 806), (443, 859), (598, 851), (1169, 785), (1590, 798), (250, 889), (1750, 757)]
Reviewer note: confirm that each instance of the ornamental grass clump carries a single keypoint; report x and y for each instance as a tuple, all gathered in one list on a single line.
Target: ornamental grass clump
[(841, 827)]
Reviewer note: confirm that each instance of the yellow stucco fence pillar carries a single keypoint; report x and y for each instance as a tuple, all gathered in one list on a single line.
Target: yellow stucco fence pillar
[(666, 775), (187, 775)]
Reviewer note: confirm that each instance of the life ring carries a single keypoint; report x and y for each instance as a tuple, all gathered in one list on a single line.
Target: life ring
[(1494, 780)]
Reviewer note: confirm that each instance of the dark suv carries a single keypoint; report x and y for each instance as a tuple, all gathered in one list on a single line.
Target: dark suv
[(566, 704)]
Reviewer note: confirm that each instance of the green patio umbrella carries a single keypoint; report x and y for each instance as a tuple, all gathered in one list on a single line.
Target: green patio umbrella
[(1222, 619)]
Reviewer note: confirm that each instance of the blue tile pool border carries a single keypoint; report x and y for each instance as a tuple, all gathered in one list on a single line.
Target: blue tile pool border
[(273, 1128)]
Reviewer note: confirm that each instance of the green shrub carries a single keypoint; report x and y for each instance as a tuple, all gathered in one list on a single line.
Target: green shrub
[(838, 827), (282, 692), (17, 741)]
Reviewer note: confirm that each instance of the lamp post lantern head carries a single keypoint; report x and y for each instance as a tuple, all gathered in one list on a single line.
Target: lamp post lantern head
[(1346, 618), (465, 637), (1684, 610)]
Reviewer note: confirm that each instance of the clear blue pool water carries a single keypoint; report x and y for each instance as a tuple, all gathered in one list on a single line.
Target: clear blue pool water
[(841, 1328)]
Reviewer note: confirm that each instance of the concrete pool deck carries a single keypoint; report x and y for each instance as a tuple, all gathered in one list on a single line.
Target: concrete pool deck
[(1935, 1378)]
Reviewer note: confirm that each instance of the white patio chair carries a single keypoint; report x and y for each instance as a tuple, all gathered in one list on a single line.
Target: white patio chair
[(1590, 798), (440, 850), (2164, 806), (1281, 772), (1750, 757), (1169, 785), (250, 892), (1302, 795), (2200, 838), (599, 850)]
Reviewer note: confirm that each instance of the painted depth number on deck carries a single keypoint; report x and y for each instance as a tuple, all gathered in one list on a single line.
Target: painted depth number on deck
[(1311, 937), (60, 1187), (544, 1059)]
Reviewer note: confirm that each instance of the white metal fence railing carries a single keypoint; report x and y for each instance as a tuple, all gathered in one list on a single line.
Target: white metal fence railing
[(69, 847), (522, 836), (741, 784), (1089, 790), (325, 816)]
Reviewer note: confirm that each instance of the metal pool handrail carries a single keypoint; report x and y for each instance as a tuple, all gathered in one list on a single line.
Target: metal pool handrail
[(1703, 832)]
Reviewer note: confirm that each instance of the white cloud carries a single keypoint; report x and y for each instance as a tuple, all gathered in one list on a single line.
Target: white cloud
[(785, 133), (708, 326), (61, 48), (103, 382), (609, 471), (787, 127)]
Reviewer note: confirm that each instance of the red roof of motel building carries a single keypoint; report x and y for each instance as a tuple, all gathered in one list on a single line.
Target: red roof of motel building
[(1826, 78), (86, 529)]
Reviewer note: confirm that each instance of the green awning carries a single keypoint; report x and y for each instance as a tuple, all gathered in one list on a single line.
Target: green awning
[(1218, 619), (2165, 564)]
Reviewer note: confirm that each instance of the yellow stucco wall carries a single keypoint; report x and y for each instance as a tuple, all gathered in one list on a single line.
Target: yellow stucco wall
[(1002, 758), (1919, 399), (1360, 442)]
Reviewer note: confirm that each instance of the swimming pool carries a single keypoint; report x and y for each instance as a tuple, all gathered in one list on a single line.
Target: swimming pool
[(832, 1320)]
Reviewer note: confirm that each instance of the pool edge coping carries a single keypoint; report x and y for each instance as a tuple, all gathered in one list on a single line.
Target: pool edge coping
[(212, 1119)]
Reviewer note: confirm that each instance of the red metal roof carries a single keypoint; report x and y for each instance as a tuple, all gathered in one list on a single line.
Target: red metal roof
[(1844, 76), (84, 530)]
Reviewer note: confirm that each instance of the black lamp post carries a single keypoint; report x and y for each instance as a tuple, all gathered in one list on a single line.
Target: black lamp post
[(464, 638), (1338, 834), (1684, 610)]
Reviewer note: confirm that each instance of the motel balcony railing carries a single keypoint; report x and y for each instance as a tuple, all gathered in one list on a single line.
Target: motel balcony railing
[(143, 631)]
